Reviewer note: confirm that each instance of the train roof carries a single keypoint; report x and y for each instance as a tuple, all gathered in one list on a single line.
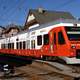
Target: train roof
[(51, 23), (73, 21)]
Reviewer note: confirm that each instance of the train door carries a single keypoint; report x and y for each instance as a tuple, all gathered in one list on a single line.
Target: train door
[(32, 44), (28, 44), (33, 47), (61, 43), (53, 41)]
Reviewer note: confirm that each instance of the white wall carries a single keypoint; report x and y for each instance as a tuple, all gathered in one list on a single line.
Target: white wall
[(31, 17)]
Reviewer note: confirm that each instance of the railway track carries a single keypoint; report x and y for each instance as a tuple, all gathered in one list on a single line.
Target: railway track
[(69, 72), (44, 70)]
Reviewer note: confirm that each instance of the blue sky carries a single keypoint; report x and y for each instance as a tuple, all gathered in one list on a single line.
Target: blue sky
[(15, 11)]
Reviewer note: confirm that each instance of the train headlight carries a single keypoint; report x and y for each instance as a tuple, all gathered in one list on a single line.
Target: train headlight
[(73, 46)]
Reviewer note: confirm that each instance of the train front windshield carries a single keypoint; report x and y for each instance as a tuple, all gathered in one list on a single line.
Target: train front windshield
[(73, 33)]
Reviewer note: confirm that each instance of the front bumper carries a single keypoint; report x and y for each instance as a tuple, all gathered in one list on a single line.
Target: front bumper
[(73, 60)]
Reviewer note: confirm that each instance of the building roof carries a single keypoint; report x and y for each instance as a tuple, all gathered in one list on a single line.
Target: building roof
[(49, 16), (12, 26), (2, 27)]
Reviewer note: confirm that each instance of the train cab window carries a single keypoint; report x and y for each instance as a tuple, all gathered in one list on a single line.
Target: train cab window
[(39, 40), (24, 44), (46, 39), (61, 38)]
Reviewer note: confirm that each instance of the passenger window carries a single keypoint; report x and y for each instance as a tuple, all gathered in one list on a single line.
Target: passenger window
[(39, 40), (24, 44), (16, 45), (12, 45), (9, 45), (20, 45), (61, 38), (1, 46), (46, 39), (6, 46)]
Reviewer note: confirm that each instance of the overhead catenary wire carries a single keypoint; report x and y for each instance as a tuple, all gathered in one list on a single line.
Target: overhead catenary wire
[(18, 7), (10, 12), (65, 4), (6, 10)]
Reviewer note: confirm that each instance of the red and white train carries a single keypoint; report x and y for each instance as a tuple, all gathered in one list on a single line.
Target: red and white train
[(60, 38)]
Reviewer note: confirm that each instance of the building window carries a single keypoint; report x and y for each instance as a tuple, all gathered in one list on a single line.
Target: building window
[(39, 40), (46, 39), (61, 38)]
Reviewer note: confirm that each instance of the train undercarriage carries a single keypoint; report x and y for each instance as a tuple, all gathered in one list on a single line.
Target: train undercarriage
[(9, 62), (62, 59)]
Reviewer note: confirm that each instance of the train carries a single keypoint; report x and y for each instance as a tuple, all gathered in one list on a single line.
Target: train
[(50, 41)]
